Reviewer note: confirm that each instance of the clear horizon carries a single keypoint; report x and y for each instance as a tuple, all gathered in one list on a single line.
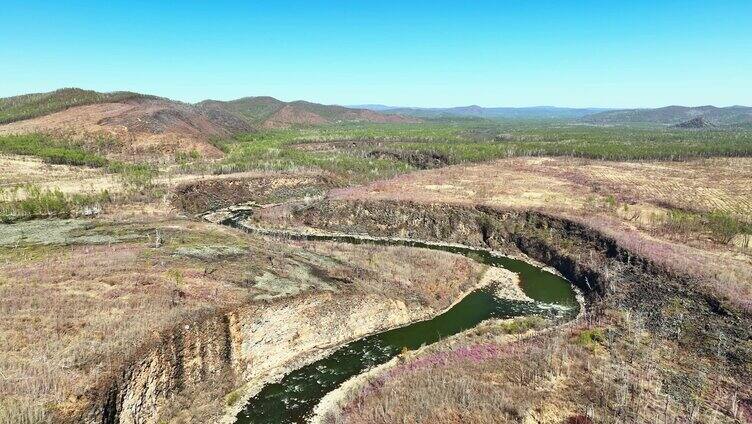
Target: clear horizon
[(416, 54)]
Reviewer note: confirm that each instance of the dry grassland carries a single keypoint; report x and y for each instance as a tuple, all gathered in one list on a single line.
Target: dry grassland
[(79, 297), (633, 202)]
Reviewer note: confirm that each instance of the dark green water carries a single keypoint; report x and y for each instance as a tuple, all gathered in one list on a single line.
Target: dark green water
[(293, 399)]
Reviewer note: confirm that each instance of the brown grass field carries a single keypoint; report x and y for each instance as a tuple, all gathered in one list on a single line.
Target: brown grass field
[(605, 371), (565, 184), (629, 201)]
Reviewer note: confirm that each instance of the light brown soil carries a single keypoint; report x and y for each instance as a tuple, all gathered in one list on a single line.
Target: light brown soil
[(565, 184), (290, 115), (365, 115)]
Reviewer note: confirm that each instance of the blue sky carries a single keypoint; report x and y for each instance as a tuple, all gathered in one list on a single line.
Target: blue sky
[(433, 53)]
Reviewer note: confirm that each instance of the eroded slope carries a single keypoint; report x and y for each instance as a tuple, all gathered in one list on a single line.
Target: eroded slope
[(134, 127)]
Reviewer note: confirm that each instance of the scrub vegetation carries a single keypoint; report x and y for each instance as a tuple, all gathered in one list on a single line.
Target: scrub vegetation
[(134, 176), (610, 371), (373, 151), (357, 153), (273, 152), (117, 284), (598, 143), (364, 152), (39, 203), (50, 150), (721, 226)]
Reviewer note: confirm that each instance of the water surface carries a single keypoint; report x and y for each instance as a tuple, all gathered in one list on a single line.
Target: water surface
[(293, 399)]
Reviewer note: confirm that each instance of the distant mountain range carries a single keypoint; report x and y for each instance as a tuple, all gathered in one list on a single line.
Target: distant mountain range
[(670, 115), (268, 112), (674, 115), (474, 111)]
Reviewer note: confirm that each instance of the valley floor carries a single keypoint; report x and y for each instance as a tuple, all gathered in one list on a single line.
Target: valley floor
[(98, 314)]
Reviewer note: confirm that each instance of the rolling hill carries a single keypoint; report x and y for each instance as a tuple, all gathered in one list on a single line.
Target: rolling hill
[(138, 124), (268, 112), (673, 115), (127, 123), (28, 106)]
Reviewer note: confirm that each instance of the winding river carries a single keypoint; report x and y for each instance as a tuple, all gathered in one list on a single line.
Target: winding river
[(293, 399)]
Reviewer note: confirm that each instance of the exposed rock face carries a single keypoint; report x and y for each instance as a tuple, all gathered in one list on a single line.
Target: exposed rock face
[(695, 123), (608, 273), (258, 344), (186, 374), (418, 159), (193, 352), (475, 226), (255, 344), (205, 195)]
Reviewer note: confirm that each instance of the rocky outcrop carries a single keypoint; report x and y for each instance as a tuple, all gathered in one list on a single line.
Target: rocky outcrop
[(609, 274), (694, 123), (210, 194), (418, 159), (474, 226), (253, 346), (203, 350)]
